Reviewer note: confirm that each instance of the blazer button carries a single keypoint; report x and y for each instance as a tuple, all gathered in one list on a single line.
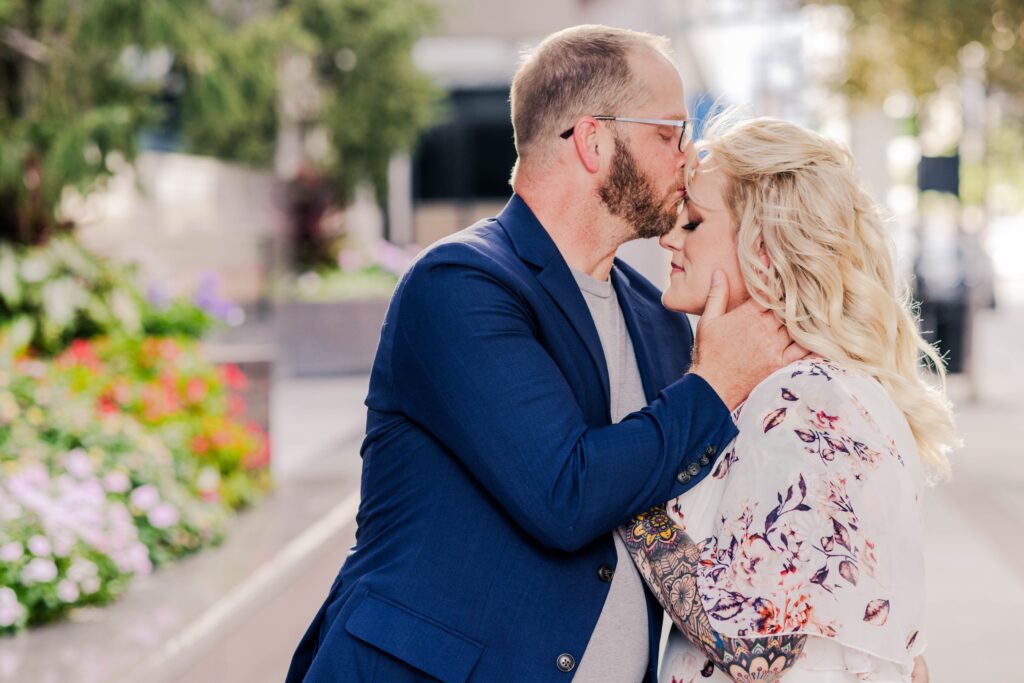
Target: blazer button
[(605, 573), (704, 460), (710, 451), (683, 477), (693, 469), (565, 662)]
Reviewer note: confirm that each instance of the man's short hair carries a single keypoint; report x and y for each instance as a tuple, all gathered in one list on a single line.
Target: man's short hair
[(579, 71)]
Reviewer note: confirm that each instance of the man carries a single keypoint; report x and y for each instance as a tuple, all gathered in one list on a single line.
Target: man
[(492, 473)]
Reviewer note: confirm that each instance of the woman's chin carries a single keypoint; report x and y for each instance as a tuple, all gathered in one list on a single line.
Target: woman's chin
[(674, 304)]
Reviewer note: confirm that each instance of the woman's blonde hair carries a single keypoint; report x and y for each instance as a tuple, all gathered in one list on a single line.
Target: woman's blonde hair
[(831, 275)]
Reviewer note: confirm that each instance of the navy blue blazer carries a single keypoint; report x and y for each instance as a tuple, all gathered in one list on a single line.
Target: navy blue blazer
[(492, 477)]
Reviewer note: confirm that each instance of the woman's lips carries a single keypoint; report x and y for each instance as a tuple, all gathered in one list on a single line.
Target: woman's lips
[(677, 269)]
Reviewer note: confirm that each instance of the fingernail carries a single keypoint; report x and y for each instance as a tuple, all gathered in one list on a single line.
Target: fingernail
[(716, 277)]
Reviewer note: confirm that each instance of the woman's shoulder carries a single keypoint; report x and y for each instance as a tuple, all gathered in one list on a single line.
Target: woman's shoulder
[(828, 410), (822, 386)]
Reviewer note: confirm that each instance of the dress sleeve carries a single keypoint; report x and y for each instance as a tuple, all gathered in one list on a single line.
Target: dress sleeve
[(818, 528)]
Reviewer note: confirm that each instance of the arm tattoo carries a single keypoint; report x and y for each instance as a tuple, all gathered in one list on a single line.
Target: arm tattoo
[(667, 559)]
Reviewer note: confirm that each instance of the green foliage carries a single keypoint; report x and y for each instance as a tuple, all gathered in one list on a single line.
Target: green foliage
[(377, 102), (68, 98), (912, 45), (54, 294), (78, 84)]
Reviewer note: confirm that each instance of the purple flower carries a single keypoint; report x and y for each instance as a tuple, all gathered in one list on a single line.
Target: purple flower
[(157, 295), (391, 258), (351, 259), (208, 298)]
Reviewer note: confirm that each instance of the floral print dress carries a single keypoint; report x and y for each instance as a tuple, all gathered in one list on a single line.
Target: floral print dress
[(809, 523)]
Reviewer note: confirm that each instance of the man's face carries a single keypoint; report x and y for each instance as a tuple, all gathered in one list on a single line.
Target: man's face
[(631, 194), (645, 182)]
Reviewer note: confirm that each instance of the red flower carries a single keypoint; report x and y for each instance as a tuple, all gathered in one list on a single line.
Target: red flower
[(234, 377), (195, 390)]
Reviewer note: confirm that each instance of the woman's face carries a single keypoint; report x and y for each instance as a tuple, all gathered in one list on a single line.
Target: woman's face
[(702, 241)]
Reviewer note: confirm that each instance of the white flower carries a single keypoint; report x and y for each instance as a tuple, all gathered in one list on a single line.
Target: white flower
[(10, 614), (40, 546), (116, 482), (163, 516), (7, 596), (145, 497), (78, 464), (11, 552), (90, 585), (67, 591), (39, 570), (81, 569), (208, 479), (63, 543)]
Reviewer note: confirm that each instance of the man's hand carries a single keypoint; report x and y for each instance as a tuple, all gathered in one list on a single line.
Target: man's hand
[(920, 674), (735, 351)]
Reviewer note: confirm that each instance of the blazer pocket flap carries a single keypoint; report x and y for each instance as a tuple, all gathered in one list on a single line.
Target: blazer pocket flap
[(418, 641)]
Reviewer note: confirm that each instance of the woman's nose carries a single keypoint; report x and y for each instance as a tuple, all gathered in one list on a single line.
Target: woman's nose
[(673, 239)]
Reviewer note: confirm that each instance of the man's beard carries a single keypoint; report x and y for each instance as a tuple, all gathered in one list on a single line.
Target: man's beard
[(629, 194)]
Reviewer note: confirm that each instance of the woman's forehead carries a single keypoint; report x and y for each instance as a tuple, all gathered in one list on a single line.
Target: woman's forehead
[(706, 187)]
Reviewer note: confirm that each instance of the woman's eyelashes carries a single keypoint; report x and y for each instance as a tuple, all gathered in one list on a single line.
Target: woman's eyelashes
[(692, 225)]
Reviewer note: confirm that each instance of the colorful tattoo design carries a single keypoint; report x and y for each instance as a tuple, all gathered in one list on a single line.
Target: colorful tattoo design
[(667, 559)]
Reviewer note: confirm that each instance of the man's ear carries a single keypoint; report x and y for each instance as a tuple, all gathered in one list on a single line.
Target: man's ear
[(588, 149)]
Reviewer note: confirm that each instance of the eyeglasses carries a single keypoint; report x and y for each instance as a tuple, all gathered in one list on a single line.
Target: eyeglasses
[(684, 129)]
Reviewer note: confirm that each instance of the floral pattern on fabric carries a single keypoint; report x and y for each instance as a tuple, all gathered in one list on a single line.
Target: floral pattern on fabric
[(814, 526)]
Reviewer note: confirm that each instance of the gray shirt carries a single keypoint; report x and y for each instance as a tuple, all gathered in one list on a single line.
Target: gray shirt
[(618, 648)]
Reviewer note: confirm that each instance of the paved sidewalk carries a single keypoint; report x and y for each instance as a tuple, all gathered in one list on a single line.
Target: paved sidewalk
[(975, 560)]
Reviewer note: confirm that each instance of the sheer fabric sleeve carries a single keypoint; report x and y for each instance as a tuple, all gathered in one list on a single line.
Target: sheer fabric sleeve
[(818, 530)]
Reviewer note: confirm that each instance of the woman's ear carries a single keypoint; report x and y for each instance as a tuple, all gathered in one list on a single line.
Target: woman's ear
[(762, 253)]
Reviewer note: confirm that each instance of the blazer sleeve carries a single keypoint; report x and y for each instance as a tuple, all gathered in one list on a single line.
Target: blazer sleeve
[(470, 370)]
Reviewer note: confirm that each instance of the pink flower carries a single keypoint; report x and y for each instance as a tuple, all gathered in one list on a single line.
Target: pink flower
[(144, 497), (116, 482), (11, 552), (78, 464), (67, 591), (163, 516), (11, 610), (40, 546), (39, 570)]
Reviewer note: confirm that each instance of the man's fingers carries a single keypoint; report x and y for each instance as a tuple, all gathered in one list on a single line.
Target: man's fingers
[(920, 674), (793, 353), (718, 296)]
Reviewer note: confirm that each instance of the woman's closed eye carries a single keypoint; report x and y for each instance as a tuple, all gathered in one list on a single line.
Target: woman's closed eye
[(692, 225)]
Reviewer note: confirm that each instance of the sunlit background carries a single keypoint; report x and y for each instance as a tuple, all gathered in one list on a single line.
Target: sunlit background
[(205, 205)]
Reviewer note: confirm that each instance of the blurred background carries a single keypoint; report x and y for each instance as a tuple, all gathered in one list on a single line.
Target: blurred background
[(205, 205)]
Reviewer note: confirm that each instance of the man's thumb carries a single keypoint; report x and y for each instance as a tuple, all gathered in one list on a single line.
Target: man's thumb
[(718, 296)]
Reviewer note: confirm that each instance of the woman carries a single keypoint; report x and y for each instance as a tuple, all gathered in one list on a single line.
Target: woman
[(801, 555)]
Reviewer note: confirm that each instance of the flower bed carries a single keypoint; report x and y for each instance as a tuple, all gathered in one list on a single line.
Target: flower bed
[(117, 456)]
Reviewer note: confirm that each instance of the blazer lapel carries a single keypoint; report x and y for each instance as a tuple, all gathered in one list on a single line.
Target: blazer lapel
[(535, 246), (641, 331)]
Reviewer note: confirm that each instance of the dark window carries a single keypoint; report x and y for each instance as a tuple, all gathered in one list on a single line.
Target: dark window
[(470, 155)]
